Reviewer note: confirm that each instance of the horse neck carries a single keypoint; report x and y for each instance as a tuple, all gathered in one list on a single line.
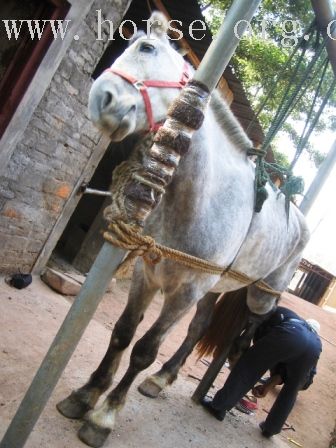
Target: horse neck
[(211, 181), (211, 154)]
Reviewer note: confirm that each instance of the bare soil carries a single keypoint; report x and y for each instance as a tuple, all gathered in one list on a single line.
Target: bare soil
[(30, 318)]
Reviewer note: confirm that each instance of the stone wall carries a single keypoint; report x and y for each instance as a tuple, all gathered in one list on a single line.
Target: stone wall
[(55, 149)]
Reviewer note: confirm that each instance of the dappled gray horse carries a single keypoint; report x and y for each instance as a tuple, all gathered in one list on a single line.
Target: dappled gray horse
[(207, 211)]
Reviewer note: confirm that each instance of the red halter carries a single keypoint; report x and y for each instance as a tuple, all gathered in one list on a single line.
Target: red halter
[(142, 87)]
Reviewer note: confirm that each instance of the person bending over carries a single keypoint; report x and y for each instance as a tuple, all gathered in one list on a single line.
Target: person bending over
[(289, 347)]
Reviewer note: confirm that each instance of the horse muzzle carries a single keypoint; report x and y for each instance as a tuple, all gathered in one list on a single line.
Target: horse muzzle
[(114, 115)]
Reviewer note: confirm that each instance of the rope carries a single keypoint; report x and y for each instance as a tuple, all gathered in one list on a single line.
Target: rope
[(289, 99), (310, 81), (260, 152), (128, 237), (291, 185), (306, 134), (312, 107), (301, 43)]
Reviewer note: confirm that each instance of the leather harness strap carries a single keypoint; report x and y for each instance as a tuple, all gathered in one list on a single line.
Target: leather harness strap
[(142, 86)]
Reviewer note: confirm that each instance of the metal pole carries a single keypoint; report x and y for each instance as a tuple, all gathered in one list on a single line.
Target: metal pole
[(319, 180), (82, 310), (223, 47), (63, 346), (210, 376), (96, 192), (326, 20)]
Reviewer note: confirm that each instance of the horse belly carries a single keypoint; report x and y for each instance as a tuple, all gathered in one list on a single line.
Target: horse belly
[(226, 284)]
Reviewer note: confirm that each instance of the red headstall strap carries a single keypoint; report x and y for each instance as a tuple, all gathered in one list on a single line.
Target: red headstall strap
[(143, 85)]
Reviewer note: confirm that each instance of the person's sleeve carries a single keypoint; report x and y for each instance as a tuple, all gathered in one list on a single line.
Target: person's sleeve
[(310, 378), (279, 369)]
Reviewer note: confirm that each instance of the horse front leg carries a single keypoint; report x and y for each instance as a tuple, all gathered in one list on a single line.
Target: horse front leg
[(80, 401), (154, 384), (100, 421)]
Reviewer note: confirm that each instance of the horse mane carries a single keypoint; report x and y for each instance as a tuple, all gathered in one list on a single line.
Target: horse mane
[(229, 123)]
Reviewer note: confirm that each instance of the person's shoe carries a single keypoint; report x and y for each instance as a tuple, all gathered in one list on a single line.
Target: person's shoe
[(264, 431), (207, 404)]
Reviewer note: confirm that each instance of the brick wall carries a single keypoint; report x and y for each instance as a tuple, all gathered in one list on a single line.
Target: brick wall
[(54, 148)]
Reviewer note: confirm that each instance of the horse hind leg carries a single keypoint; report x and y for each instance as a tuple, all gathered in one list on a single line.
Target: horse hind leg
[(100, 422), (261, 304), (154, 384), (82, 400)]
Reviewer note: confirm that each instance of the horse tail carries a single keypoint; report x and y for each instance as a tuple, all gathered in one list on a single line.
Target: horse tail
[(228, 321)]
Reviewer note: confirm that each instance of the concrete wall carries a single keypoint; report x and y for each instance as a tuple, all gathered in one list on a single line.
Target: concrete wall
[(51, 147)]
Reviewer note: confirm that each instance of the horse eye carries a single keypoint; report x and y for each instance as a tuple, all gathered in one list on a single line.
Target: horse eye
[(146, 48)]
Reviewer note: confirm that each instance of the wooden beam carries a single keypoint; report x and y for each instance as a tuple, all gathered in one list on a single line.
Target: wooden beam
[(193, 58), (225, 90)]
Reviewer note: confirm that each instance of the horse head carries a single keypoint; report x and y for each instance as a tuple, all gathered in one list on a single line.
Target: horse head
[(134, 94)]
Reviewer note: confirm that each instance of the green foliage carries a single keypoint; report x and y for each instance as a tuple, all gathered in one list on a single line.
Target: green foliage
[(281, 159), (261, 57)]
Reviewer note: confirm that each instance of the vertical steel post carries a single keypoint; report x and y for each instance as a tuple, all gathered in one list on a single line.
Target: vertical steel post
[(319, 180), (82, 310), (63, 346), (223, 47), (210, 376)]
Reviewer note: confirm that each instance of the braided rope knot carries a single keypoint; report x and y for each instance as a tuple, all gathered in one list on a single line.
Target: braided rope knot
[(129, 237), (260, 152)]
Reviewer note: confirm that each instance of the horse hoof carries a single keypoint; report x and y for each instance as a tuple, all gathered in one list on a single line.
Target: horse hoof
[(73, 407), (93, 435), (149, 388)]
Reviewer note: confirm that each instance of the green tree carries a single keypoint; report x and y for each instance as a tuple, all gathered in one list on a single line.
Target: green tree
[(261, 57)]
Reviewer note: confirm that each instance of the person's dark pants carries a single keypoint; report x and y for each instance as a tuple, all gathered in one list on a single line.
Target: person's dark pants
[(289, 343)]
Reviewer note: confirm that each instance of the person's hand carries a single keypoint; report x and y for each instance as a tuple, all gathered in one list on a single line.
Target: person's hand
[(260, 391)]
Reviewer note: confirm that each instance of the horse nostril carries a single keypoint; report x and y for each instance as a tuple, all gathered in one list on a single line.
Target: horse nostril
[(106, 100)]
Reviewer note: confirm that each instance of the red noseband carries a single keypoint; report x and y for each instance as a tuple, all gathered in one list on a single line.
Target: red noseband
[(143, 85)]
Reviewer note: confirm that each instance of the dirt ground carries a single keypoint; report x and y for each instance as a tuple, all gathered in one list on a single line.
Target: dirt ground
[(29, 320)]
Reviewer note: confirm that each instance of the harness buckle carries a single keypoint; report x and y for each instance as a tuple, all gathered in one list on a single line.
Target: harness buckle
[(139, 85), (185, 77)]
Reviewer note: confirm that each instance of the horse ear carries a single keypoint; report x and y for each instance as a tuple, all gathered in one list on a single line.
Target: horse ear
[(135, 37), (158, 24)]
